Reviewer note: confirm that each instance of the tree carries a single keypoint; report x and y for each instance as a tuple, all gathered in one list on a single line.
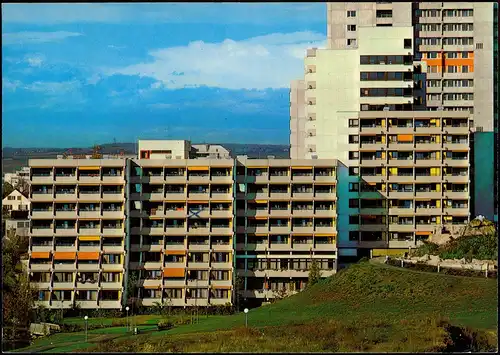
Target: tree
[(314, 273), (7, 189), (23, 186), (18, 295)]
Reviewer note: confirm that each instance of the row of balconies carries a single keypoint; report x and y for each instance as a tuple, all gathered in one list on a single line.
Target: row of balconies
[(265, 246), (428, 146), (181, 196), (75, 214), (384, 210), (182, 229), (158, 179), (147, 283), (49, 179), (410, 130), (157, 265), (191, 247), (101, 285), (429, 211), (286, 273), (287, 212), (285, 179), (287, 229), (183, 213), (74, 248), (459, 163), (104, 304), (73, 267), (72, 231), (266, 195), (49, 196)]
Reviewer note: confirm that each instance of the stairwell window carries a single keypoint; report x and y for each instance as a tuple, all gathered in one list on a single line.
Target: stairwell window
[(351, 13), (351, 42), (407, 43), (353, 122), (351, 28)]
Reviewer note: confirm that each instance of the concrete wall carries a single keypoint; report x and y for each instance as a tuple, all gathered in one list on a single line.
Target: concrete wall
[(297, 119), (179, 148)]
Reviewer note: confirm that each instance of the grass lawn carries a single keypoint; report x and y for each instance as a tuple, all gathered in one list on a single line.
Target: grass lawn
[(366, 307)]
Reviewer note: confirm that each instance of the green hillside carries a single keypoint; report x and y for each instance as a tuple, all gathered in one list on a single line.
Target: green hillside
[(366, 307)]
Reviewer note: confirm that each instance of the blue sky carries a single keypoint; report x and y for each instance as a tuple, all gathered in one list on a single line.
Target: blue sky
[(82, 74)]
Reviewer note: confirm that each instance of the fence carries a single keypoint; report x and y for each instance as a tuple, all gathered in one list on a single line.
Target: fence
[(420, 266)]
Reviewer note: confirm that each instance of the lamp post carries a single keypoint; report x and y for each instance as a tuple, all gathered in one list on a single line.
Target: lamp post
[(86, 328), (246, 317), (127, 309)]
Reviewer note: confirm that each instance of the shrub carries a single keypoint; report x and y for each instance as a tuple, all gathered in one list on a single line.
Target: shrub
[(164, 325)]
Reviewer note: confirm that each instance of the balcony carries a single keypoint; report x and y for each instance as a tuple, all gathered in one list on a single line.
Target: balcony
[(42, 197), (325, 195), (464, 179), (199, 230), (427, 162), (112, 179), (429, 194), (116, 267), (112, 196), (324, 229), (302, 195), (42, 214), (457, 211), (89, 267), (175, 196), (110, 304), (42, 179), (90, 197), (114, 248), (221, 230), (371, 146), (221, 196), (199, 247), (84, 231), (401, 227), (296, 212), (222, 213), (89, 214), (400, 163), (458, 195), (64, 267), (279, 195), (67, 178), (221, 265), (198, 265), (280, 178), (63, 285), (71, 214), (113, 231), (457, 163), (90, 179)]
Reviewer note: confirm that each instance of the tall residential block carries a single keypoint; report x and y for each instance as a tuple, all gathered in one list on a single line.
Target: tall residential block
[(179, 231), (404, 97)]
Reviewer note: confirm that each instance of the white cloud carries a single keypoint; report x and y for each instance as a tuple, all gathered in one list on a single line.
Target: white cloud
[(270, 61), (45, 87), (35, 60), (36, 37)]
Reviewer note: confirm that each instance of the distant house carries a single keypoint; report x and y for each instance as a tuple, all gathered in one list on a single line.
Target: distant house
[(16, 201), (17, 178)]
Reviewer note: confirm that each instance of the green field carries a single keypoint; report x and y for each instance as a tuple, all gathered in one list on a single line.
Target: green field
[(367, 307)]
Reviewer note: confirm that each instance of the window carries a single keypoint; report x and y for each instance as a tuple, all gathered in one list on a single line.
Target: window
[(353, 139), (10, 198), (479, 46), (384, 13), (432, 55), (407, 42), (452, 69), (353, 187), (351, 27), (351, 13), (354, 219), (353, 122), (465, 68), (351, 42), (353, 171), (353, 203), (465, 55), (353, 235), (451, 55), (353, 155)]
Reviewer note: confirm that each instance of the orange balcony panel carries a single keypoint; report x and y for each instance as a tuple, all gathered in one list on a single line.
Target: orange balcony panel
[(178, 272), (175, 252), (88, 256), (405, 138), (40, 255), (65, 255)]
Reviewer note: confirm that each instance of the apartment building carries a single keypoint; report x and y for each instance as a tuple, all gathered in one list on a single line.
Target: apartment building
[(183, 228), (77, 235), (180, 217), (405, 168), (285, 219)]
